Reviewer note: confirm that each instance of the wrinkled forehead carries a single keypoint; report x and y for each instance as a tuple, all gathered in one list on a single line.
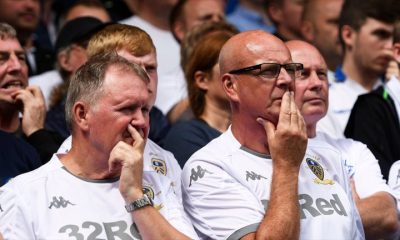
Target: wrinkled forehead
[(256, 52), (309, 58), (10, 45)]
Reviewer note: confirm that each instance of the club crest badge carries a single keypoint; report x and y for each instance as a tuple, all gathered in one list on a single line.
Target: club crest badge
[(159, 166), (318, 171)]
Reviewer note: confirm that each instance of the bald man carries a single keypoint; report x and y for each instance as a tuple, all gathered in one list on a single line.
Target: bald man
[(261, 178), (373, 198)]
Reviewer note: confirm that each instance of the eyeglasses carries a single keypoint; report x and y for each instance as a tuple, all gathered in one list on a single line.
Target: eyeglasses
[(272, 70)]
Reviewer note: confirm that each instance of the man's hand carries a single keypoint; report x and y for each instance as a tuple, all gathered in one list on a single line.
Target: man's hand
[(354, 193), (392, 70), (288, 141), (33, 109), (128, 159)]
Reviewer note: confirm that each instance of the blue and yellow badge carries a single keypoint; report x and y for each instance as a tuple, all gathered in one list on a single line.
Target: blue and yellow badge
[(318, 171), (150, 193), (159, 166)]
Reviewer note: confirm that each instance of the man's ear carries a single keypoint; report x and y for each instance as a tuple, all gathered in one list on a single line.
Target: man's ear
[(307, 31), (230, 87), (63, 60), (178, 29), (275, 13), (201, 79), (396, 51), (80, 115), (348, 35)]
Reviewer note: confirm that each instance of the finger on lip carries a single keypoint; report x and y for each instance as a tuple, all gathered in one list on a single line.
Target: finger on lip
[(133, 129)]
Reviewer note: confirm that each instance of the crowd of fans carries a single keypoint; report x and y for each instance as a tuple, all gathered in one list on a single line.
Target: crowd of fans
[(206, 119)]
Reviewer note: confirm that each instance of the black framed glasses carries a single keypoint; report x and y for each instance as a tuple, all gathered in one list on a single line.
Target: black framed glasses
[(272, 70)]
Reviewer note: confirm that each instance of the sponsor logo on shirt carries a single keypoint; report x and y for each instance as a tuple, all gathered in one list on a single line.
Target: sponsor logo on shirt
[(318, 171), (94, 230), (196, 175), (253, 176), (318, 207), (60, 202), (159, 166)]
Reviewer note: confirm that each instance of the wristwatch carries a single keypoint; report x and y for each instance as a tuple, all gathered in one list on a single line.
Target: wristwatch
[(139, 203)]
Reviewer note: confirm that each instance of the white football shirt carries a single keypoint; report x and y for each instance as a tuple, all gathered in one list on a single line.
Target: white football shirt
[(226, 189), (361, 163), (51, 203), (155, 158), (342, 96)]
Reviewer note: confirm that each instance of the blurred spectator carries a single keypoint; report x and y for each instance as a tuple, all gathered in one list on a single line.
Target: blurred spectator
[(153, 17), (374, 119), (286, 16), (187, 14), (320, 27), (207, 100), (250, 15), (182, 111), (16, 156), (24, 16), (85, 8), (71, 54), (17, 98), (366, 34), (47, 81)]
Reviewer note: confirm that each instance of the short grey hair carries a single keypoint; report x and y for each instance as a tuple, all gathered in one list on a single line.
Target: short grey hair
[(87, 83), (7, 31)]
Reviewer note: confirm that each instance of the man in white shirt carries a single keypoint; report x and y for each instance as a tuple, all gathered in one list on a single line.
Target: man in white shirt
[(366, 33), (229, 189), (108, 108), (152, 16), (373, 197)]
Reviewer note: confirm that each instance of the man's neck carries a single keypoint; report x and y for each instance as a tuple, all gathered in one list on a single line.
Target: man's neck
[(26, 39), (366, 78), (86, 162), (159, 20), (286, 34), (250, 134), (217, 117)]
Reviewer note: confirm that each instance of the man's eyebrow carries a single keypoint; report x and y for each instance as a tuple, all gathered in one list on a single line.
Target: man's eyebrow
[(17, 52)]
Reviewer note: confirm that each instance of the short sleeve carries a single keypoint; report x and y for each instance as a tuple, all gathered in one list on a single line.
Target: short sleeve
[(218, 205), (14, 215), (368, 177)]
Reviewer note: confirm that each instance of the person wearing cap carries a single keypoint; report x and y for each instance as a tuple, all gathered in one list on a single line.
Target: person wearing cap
[(71, 54)]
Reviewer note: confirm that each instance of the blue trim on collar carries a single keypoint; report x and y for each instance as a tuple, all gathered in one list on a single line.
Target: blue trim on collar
[(339, 74)]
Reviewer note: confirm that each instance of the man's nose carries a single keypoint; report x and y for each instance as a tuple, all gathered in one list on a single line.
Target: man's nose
[(140, 119), (14, 63), (285, 80), (315, 81)]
